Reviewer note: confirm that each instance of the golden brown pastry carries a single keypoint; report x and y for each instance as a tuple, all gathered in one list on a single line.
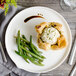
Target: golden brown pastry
[(50, 36)]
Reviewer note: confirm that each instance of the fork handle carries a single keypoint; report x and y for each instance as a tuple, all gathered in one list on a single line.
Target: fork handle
[(3, 54)]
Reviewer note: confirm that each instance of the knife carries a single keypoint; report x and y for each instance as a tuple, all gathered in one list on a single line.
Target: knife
[(72, 54), (73, 70)]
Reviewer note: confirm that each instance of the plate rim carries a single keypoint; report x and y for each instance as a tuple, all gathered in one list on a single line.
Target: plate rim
[(70, 34)]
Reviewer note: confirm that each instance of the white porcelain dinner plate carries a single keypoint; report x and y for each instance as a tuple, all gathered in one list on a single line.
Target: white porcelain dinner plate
[(54, 58)]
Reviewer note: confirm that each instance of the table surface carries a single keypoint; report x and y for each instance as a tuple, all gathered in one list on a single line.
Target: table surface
[(70, 17)]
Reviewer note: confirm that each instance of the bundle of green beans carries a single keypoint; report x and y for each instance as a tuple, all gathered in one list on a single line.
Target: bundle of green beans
[(28, 51)]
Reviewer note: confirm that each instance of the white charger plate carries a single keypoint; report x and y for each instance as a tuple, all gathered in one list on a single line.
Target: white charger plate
[(53, 58)]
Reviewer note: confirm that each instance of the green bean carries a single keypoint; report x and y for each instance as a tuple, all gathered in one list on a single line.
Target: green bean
[(30, 39), (30, 58), (31, 53), (17, 52), (26, 41), (27, 50), (39, 61), (24, 37), (35, 51), (18, 42), (34, 60), (25, 58), (24, 44), (32, 45)]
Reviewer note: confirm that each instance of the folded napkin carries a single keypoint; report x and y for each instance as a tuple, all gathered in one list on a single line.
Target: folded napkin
[(10, 67)]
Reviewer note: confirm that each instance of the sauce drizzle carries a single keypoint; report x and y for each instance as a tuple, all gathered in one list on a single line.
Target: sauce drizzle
[(31, 17)]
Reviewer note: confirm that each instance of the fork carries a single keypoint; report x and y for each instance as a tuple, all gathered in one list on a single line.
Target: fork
[(2, 51), (3, 54)]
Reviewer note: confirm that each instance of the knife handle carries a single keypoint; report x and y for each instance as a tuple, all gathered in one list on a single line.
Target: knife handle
[(3, 54), (72, 53)]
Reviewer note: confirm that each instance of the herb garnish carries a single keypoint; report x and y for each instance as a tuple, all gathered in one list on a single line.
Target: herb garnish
[(6, 4)]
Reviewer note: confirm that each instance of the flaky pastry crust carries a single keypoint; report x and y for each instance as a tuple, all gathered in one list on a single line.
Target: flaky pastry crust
[(61, 41)]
